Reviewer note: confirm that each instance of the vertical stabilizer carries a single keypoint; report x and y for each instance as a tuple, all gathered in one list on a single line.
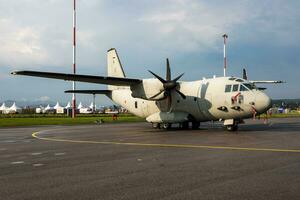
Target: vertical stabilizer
[(114, 67)]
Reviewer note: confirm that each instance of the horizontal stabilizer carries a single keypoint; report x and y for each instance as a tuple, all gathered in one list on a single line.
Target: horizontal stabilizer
[(81, 78), (106, 92), (268, 82)]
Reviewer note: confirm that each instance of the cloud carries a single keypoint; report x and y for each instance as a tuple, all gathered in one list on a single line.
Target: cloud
[(38, 35), (20, 45), (43, 98)]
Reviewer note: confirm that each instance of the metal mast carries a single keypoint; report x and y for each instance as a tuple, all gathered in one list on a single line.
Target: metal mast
[(225, 60), (74, 59)]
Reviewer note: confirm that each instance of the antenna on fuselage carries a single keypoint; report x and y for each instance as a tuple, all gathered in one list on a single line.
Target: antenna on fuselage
[(225, 36)]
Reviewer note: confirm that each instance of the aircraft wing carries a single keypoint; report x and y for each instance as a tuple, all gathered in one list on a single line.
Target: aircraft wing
[(268, 82), (106, 92), (82, 78)]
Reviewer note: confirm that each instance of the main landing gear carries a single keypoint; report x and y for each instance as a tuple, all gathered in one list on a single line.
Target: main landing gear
[(162, 125), (184, 125)]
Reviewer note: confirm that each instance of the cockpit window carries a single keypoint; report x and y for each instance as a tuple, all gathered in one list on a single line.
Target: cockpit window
[(250, 86), (243, 88), (228, 88), (239, 80), (235, 88), (231, 78)]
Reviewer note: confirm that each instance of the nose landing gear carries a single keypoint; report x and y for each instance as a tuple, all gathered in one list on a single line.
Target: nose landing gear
[(232, 127), (231, 124)]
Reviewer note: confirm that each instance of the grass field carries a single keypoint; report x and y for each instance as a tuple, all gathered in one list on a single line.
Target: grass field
[(29, 120), (53, 119)]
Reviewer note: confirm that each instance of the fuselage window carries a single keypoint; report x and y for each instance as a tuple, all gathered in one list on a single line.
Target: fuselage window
[(235, 88), (243, 88), (228, 88), (135, 104)]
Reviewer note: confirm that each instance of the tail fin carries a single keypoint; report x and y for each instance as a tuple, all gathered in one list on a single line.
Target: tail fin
[(114, 67)]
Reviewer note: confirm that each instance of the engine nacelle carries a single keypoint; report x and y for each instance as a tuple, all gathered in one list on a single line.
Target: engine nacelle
[(147, 89)]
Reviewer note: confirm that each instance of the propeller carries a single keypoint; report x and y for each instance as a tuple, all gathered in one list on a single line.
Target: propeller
[(168, 85)]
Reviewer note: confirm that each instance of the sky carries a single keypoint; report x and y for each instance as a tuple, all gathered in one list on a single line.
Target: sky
[(37, 35)]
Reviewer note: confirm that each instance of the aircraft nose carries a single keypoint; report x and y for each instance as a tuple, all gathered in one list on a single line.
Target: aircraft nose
[(263, 102)]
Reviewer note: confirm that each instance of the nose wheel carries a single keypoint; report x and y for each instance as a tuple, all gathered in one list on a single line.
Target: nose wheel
[(232, 127)]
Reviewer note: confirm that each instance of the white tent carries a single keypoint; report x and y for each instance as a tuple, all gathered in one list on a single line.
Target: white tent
[(48, 107), (39, 110), (3, 107), (92, 106), (57, 106), (68, 105), (80, 106), (59, 109), (13, 109)]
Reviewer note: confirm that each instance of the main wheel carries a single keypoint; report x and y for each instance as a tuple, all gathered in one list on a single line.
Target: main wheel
[(166, 125), (184, 125), (155, 125), (195, 125)]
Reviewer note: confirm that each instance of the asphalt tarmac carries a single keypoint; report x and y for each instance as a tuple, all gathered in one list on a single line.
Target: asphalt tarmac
[(134, 161)]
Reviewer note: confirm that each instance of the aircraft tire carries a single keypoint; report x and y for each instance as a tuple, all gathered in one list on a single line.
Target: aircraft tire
[(166, 125), (232, 127), (155, 125), (195, 125), (184, 125)]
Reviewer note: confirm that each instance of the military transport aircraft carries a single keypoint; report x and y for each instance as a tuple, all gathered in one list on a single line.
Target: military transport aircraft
[(164, 102)]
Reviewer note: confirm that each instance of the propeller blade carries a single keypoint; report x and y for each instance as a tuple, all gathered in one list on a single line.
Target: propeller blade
[(178, 77), (156, 94), (245, 74), (181, 94), (158, 77), (168, 73)]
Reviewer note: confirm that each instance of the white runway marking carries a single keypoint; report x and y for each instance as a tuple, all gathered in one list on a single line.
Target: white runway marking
[(37, 164), (17, 162), (36, 153), (9, 141), (59, 154)]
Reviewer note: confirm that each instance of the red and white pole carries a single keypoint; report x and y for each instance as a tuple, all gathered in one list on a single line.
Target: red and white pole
[(74, 59), (225, 59)]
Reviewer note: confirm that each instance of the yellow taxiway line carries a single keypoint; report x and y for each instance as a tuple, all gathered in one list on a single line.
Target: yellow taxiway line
[(35, 135)]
